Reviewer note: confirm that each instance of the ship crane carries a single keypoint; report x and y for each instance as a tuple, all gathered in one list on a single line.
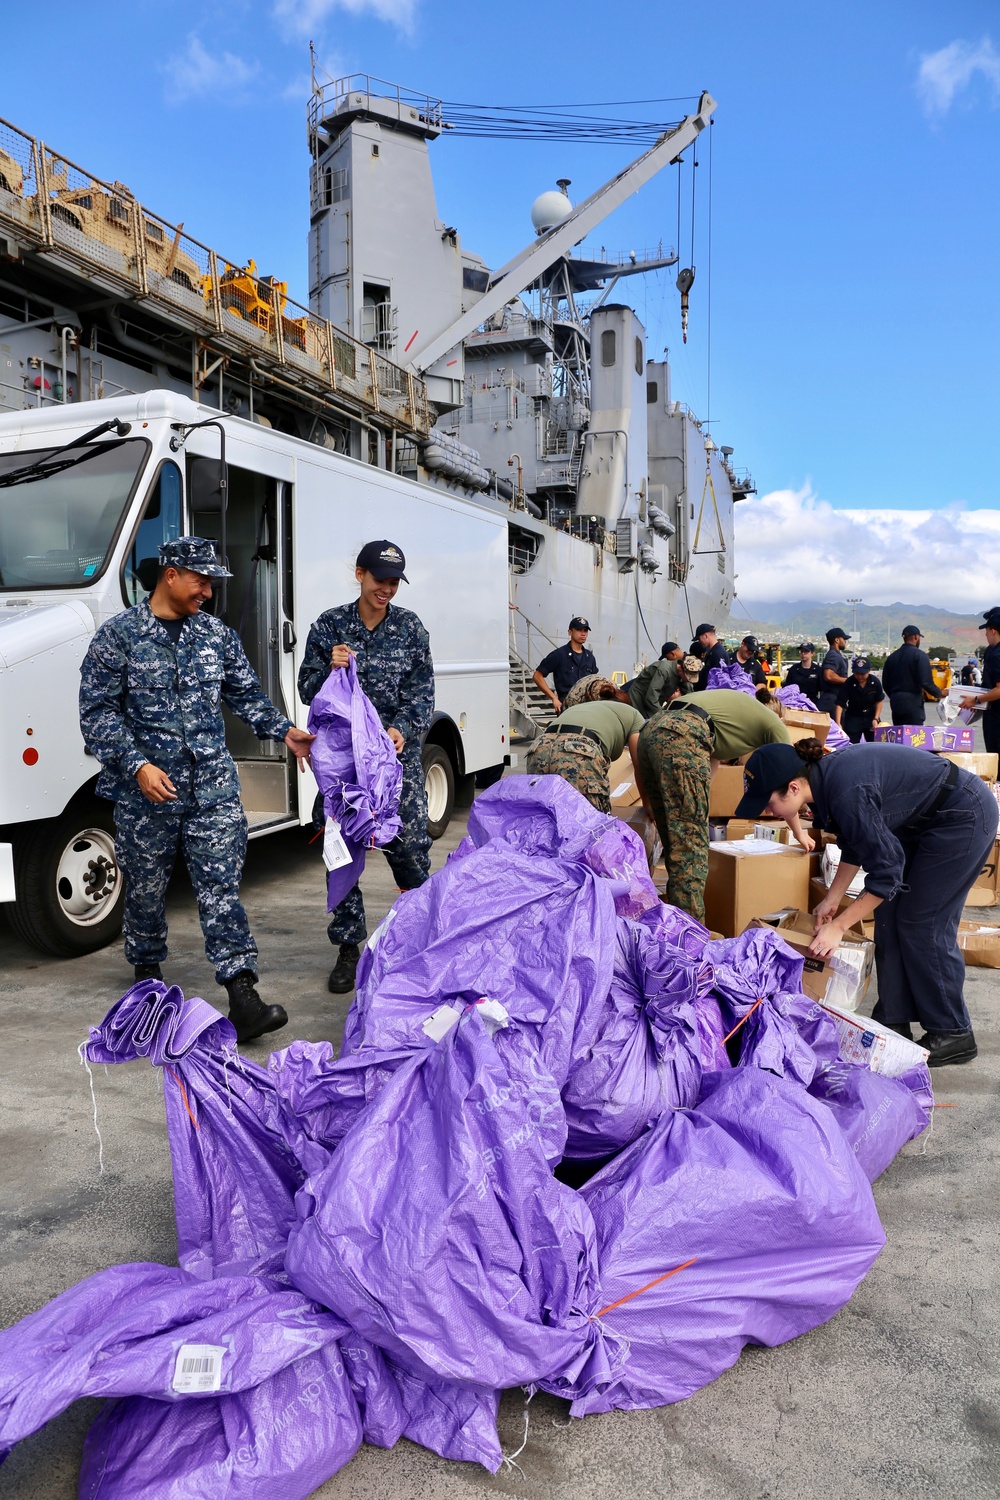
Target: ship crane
[(532, 262)]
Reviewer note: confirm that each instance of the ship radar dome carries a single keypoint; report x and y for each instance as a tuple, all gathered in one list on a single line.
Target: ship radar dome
[(549, 209)]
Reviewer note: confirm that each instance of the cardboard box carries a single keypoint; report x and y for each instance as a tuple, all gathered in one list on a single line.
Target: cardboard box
[(758, 828), (980, 945), (865, 1041), (977, 761), (621, 779), (985, 891), (818, 892), (926, 736), (748, 879), (727, 792), (844, 977), (802, 725)]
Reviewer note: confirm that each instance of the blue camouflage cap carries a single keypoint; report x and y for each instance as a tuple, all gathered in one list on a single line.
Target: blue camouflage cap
[(196, 553)]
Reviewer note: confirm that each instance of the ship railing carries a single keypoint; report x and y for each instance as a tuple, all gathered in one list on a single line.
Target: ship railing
[(625, 257), (328, 97), (103, 230), (534, 636)]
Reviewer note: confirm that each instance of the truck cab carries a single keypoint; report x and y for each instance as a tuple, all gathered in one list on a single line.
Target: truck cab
[(87, 495)]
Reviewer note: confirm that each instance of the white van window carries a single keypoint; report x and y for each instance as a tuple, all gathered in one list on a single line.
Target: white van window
[(61, 510)]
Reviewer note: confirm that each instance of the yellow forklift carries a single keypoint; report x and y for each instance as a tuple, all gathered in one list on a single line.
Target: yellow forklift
[(769, 656)]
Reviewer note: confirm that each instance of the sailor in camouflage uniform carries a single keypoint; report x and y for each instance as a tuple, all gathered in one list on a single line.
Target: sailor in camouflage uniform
[(392, 656), (154, 680)]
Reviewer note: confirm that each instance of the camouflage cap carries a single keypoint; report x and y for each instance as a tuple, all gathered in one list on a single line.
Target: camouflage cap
[(196, 553)]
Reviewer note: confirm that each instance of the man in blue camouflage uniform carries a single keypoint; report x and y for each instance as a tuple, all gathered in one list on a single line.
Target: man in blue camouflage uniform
[(154, 680), (392, 655)]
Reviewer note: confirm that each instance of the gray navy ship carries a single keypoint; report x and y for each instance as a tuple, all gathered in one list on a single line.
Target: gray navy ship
[(527, 387)]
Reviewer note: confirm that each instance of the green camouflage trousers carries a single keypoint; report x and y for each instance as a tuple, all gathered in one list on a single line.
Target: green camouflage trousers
[(675, 753), (578, 760)]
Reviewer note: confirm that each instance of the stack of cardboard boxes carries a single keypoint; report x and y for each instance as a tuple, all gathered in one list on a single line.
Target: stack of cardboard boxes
[(758, 874)]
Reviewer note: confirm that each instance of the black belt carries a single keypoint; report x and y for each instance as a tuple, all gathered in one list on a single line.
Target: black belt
[(575, 729), (692, 708)]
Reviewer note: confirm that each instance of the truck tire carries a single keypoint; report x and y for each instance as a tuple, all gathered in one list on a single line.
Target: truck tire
[(439, 784), (67, 882)]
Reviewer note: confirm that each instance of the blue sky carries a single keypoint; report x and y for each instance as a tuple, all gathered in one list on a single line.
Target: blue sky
[(854, 286)]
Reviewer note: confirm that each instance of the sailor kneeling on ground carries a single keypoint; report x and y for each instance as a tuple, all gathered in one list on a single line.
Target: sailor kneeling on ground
[(582, 742)]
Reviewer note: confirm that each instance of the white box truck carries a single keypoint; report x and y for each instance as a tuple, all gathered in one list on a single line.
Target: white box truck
[(87, 494)]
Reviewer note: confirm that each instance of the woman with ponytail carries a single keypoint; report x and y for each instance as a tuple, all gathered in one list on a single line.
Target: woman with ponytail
[(922, 830)]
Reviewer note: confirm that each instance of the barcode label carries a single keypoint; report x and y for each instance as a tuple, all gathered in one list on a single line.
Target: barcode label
[(335, 851), (198, 1367)]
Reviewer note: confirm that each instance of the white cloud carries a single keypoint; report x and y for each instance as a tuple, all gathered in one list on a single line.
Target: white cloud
[(307, 16), (949, 71), (791, 545), (196, 73)]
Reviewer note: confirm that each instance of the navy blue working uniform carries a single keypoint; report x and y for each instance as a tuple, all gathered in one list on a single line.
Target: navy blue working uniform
[(395, 670), (152, 692), (922, 831), (711, 656), (566, 666), (752, 668), (859, 703), (837, 662), (991, 713), (808, 680), (906, 676)]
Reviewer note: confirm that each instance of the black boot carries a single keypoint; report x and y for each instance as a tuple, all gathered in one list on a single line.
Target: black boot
[(148, 971), (342, 978), (247, 1011), (949, 1047), (901, 1030)]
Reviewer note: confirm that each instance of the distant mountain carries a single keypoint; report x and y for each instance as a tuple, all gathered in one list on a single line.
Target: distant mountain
[(878, 625)]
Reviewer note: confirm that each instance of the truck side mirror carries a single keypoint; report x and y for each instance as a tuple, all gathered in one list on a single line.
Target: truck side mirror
[(207, 485)]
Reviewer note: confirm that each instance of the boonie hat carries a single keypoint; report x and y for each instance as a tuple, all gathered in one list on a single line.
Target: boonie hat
[(832, 635), (691, 668), (991, 619), (751, 642), (860, 664), (912, 630), (195, 553), (579, 623), (807, 646), (382, 560), (768, 769), (701, 630)]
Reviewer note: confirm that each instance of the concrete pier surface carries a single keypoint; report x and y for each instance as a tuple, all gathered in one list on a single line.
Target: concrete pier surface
[(898, 1395)]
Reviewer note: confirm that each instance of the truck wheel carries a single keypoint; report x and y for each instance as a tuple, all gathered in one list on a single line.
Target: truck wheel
[(67, 882), (439, 784)]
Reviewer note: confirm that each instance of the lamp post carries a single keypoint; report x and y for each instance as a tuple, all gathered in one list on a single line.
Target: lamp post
[(854, 620)]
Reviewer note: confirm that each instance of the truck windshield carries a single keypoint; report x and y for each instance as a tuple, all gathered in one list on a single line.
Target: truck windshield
[(57, 528)]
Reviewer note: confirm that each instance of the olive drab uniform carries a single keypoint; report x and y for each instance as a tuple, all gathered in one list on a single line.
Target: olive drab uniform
[(396, 672), (675, 752), (578, 759), (144, 699)]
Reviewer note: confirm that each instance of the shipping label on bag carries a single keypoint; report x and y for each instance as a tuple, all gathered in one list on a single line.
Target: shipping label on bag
[(335, 851), (198, 1368)]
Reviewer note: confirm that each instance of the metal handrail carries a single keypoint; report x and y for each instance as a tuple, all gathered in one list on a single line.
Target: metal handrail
[(103, 230)]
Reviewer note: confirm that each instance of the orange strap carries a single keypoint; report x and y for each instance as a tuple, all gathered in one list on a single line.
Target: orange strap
[(184, 1096), (745, 1018), (649, 1284)]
